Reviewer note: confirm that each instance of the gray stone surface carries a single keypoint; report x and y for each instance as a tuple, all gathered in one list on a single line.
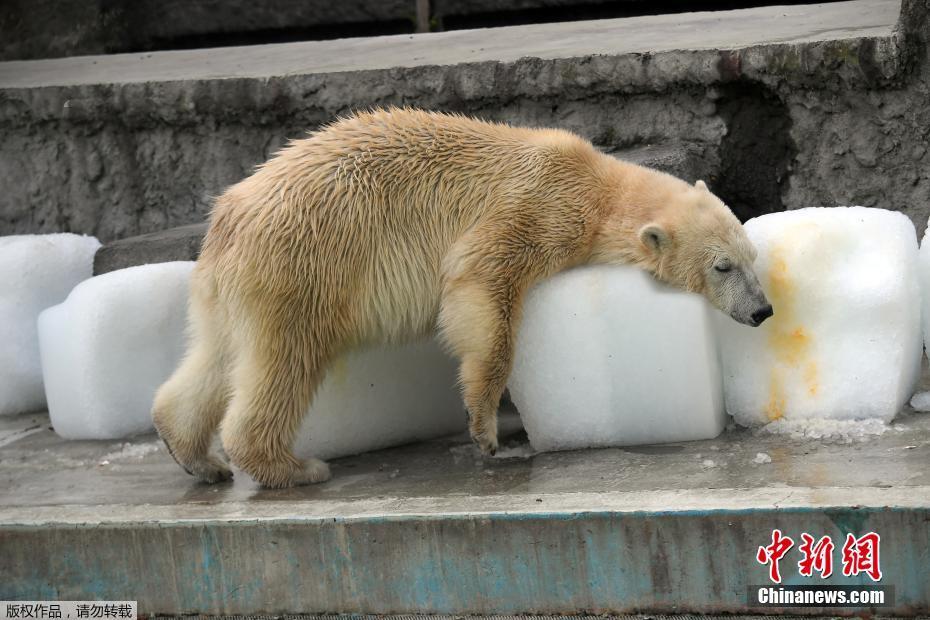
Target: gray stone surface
[(46, 477), (794, 106), (678, 38), (180, 243), (33, 29)]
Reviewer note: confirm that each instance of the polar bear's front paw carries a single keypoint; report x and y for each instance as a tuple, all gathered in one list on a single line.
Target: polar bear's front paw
[(314, 471), (487, 442), (211, 470), (286, 473)]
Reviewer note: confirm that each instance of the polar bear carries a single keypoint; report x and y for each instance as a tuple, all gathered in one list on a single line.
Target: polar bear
[(390, 224)]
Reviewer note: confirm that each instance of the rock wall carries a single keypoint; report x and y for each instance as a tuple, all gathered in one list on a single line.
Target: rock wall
[(777, 127), (867, 146)]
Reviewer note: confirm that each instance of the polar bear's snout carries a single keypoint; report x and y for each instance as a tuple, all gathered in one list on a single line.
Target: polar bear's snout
[(761, 314), (741, 296)]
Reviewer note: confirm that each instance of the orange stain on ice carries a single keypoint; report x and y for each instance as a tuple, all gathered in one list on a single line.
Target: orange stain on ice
[(775, 408), (788, 339), (811, 378)]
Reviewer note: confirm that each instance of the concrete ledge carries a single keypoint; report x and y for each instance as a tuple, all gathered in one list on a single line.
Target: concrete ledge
[(798, 43), (47, 29), (658, 502), (535, 555), (181, 243), (433, 528), (657, 34)]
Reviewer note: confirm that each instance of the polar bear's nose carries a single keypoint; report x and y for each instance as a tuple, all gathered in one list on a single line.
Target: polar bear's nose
[(762, 313)]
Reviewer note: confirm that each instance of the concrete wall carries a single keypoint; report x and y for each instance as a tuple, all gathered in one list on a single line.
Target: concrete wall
[(31, 29), (782, 125)]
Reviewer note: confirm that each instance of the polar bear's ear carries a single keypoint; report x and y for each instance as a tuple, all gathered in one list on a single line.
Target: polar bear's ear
[(701, 185), (654, 237)]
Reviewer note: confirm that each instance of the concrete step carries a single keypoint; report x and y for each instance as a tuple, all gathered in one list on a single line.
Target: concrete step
[(45, 29), (432, 528), (180, 243), (183, 242), (792, 105)]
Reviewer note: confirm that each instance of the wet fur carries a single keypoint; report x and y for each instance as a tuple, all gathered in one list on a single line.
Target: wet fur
[(383, 227)]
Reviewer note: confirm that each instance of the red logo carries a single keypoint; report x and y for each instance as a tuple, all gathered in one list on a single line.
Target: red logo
[(860, 555), (817, 556), (773, 553)]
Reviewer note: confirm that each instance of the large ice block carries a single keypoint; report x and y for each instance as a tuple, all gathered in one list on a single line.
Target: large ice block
[(380, 397), (110, 345), (845, 340), (36, 271), (118, 336), (607, 356)]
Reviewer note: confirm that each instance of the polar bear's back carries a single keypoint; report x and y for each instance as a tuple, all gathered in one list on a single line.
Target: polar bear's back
[(369, 206)]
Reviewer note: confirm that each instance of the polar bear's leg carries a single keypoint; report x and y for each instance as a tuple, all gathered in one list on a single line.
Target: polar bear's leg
[(478, 322), (273, 381), (190, 405)]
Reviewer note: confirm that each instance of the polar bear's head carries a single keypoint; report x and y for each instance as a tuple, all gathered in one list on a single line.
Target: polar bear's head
[(697, 244)]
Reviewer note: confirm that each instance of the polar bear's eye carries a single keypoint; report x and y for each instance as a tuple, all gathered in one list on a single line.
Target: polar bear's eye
[(723, 267)]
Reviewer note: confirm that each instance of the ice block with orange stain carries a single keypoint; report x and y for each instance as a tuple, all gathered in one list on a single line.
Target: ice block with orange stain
[(845, 339)]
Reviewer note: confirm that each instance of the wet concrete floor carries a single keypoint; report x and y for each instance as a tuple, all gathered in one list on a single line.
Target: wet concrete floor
[(39, 469)]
